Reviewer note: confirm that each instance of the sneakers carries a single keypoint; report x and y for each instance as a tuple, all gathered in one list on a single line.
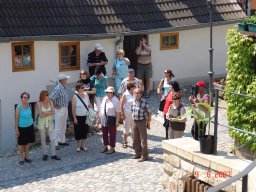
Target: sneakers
[(111, 150), (55, 157), (78, 149), (104, 149)]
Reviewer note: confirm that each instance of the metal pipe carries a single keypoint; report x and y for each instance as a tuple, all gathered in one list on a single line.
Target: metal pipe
[(216, 108)]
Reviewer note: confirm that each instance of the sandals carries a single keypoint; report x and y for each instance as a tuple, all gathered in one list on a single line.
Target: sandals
[(28, 160), (125, 145)]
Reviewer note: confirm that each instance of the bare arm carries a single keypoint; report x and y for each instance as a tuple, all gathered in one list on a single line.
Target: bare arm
[(41, 114), (17, 115), (160, 86), (117, 118), (123, 98), (127, 61)]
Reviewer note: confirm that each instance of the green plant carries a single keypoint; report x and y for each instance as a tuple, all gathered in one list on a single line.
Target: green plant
[(246, 21), (199, 115), (241, 78)]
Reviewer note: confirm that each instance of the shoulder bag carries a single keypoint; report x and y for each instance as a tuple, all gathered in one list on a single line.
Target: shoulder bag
[(91, 116)]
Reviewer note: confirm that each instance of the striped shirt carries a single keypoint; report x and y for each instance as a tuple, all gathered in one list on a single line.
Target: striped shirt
[(123, 86), (140, 110), (59, 95)]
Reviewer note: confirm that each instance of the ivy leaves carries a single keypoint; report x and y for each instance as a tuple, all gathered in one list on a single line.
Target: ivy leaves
[(241, 78)]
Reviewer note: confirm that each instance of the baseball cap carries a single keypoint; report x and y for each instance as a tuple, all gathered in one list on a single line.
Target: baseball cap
[(98, 46), (200, 84), (63, 76), (130, 70)]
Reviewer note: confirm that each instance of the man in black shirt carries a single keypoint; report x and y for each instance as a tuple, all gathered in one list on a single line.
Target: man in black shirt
[(97, 58)]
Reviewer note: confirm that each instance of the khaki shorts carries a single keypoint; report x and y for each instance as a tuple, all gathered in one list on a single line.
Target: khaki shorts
[(144, 71)]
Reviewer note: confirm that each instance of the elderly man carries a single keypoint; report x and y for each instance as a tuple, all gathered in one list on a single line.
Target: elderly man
[(141, 115), (59, 96), (130, 79), (98, 59)]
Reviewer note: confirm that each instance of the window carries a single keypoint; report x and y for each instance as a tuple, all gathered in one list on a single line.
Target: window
[(23, 56), (69, 56), (169, 41)]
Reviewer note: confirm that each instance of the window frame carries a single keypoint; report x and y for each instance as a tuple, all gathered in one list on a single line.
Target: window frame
[(69, 68), (22, 68), (162, 47)]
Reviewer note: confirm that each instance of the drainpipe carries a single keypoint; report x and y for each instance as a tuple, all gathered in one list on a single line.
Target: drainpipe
[(248, 7)]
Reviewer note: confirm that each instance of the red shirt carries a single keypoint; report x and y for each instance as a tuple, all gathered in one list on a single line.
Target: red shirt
[(168, 102)]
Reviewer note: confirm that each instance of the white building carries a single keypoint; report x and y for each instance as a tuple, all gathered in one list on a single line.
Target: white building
[(46, 32)]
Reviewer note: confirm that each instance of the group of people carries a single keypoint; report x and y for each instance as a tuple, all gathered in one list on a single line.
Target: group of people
[(174, 111), (111, 104), (91, 92)]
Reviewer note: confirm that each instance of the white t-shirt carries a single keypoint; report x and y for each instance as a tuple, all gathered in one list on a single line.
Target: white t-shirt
[(80, 108)]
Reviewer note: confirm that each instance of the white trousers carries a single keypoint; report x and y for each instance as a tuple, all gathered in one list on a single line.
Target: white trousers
[(128, 122), (51, 134), (61, 116)]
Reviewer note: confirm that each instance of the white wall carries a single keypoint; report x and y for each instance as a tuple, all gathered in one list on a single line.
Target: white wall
[(191, 60), (46, 69)]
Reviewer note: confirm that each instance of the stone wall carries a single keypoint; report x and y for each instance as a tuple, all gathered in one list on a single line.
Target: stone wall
[(183, 159)]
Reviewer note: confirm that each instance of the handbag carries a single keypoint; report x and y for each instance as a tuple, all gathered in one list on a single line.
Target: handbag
[(110, 120), (161, 105), (91, 116), (162, 102)]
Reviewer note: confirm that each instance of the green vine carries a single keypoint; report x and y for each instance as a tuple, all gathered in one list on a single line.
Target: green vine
[(241, 78)]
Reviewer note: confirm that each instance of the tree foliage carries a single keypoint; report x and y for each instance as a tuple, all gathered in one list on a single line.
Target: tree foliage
[(241, 78)]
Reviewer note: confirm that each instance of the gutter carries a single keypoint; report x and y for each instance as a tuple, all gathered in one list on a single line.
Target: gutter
[(75, 37)]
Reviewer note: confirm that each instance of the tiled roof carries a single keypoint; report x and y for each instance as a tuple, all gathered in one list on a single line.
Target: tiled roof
[(65, 17)]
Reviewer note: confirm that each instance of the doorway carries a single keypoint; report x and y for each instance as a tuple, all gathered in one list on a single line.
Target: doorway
[(130, 44)]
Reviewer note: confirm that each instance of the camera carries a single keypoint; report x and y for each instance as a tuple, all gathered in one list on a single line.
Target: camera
[(194, 90)]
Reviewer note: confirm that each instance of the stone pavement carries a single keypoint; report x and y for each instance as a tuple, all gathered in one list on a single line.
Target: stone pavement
[(94, 171)]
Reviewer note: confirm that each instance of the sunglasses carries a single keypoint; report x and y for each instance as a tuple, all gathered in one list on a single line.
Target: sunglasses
[(25, 97)]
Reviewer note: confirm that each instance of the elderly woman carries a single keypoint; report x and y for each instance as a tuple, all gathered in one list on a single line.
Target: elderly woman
[(24, 127), (45, 123), (177, 124), (89, 87), (110, 114), (100, 82), (120, 68), (126, 113), (80, 105)]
